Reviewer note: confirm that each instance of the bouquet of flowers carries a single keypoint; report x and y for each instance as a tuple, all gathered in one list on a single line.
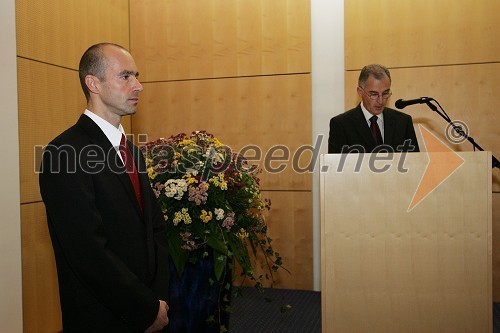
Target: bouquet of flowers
[(210, 198)]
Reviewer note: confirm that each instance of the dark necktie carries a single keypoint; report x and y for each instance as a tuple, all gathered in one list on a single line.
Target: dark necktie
[(129, 164), (375, 130)]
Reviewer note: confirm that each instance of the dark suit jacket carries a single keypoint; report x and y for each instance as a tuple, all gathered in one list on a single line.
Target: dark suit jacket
[(112, 259), (350, 128)]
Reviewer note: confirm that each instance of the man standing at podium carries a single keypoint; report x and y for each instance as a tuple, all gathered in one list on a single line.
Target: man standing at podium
[(370, 126)]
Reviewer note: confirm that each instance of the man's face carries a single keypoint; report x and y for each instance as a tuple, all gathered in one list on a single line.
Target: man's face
[(378, 88), (120, 88)]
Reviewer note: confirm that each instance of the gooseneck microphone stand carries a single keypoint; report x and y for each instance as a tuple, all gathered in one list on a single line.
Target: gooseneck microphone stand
[(458, 129)]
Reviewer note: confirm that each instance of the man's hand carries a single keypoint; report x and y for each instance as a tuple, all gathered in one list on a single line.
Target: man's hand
[(161, 320)]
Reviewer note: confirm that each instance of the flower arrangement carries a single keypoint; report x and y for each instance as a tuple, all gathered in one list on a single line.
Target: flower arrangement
[(210, 198)]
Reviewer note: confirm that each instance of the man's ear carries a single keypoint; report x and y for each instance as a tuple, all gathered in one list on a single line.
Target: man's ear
[(360, 92), (92, 83)]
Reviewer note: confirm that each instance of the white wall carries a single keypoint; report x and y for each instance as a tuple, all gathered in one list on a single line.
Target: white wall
[(11, 316), (327, 44)]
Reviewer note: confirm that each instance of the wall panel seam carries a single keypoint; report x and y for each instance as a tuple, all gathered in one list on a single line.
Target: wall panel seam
[(226, 77), (434, 65), (284, 190), (47, 63), (31, 202)]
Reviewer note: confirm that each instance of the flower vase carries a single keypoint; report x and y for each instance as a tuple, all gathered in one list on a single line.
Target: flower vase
[(198, 302)]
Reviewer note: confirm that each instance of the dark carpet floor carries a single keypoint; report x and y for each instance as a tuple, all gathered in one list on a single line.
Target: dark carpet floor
[(287, 311), (276, 311), (496, 317)]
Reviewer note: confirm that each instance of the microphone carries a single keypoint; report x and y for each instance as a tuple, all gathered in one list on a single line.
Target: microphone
[(401, 103)]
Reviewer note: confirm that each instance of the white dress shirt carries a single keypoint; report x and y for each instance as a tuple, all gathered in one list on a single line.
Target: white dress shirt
[(113, 134)]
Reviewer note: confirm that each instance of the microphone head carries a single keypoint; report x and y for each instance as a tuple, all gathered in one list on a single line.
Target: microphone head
[(400, 104)]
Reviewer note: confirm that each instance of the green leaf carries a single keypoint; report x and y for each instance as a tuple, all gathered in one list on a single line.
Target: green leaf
[(238, 292), (240, 252), (178, 255), (213, 240), (219, 266)]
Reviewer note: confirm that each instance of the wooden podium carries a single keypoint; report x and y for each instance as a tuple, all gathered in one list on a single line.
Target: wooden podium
[(390, 264)]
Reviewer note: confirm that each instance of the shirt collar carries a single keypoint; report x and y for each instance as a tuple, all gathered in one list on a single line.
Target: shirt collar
[(113, 134), (368, 115)]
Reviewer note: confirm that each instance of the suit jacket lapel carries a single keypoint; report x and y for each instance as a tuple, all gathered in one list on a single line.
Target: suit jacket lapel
[(363, 130), (114, 163), (146, 194), (389, 127), (143, 180)]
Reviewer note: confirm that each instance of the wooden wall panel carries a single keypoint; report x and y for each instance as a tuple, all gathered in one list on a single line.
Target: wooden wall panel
[(41, 308), (263, 111), (218, 66), (287, 220), (421, 33), (190, 39), (289, 223), (467, 93), (58, 32), (50, 100)]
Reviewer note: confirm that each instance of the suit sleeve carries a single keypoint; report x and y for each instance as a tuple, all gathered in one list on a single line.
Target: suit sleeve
[(80, 239), (410, 133), (337, 137), (160, 239)]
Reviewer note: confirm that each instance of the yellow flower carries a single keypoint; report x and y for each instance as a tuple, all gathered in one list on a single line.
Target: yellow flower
[(190, 179), (183, 215), (186, 142), (177, 218), (151, 173), (219, 181), (205, 217), (242, 234), (216, 142)]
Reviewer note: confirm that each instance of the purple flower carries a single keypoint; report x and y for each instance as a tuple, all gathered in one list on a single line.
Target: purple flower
[(228, 221), (199, 194), (189, 244)]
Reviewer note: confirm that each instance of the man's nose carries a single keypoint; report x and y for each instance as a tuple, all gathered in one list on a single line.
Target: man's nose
[(138, 85)]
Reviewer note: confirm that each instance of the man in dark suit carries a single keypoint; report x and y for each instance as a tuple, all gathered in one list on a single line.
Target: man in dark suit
[(371, 127), (105, 223)]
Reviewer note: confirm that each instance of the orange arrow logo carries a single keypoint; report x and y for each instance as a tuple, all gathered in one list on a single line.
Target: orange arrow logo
[(443, 162)]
